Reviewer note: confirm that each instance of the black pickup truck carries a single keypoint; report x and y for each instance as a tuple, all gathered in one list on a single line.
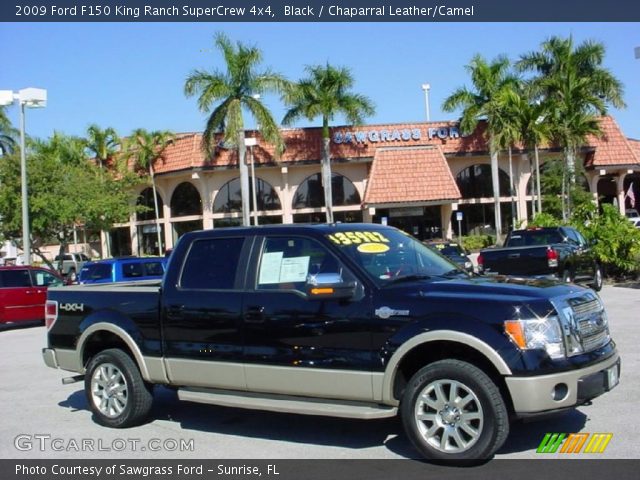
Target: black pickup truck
[(560, 252), (347, 320)]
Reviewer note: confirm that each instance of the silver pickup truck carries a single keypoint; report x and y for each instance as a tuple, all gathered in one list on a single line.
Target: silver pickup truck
[(72, 263)]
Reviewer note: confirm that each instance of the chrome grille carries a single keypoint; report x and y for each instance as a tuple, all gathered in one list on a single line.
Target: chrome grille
[(589, 321)]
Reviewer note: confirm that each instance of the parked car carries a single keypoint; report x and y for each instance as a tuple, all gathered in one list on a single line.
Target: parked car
[(125, 269), (632, 214), (635, 222), (560, 252), (23, 292), (347, 320), (72, 263), (453, 252)]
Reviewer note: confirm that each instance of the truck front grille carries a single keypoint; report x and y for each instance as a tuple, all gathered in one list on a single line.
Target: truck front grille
[(588, 322)]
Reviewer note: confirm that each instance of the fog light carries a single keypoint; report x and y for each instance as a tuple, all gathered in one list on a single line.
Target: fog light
[(560, 392)]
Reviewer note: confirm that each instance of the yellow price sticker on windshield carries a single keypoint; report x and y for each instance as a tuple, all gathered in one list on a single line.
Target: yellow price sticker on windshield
[(373, 248), (357, 238)]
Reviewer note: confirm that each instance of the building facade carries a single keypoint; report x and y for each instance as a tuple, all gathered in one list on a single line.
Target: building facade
[(416, 176)]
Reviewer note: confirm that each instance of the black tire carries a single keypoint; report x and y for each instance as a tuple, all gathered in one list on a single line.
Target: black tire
[(597, 279), (112, 405), (72, 275), (486, 403)]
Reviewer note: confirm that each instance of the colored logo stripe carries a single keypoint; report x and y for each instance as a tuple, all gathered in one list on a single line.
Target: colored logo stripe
[(550, 443), (598, 442), (574, 443)]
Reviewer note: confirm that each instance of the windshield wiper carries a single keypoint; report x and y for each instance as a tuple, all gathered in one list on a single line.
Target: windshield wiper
[(453, 272), (408, 278)]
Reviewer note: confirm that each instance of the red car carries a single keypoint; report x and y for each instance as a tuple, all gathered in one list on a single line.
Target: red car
[(23, 292)]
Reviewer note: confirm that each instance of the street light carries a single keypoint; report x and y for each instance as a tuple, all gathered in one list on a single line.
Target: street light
[(426, 87), (31, 98)]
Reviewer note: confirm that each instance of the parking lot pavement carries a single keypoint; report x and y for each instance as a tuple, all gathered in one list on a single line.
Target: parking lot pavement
[(41, 412)]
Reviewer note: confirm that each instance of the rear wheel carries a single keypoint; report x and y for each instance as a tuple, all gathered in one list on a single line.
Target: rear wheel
[(597, 279), (115, 390), (72, 275), (451, 410), (567, 276)]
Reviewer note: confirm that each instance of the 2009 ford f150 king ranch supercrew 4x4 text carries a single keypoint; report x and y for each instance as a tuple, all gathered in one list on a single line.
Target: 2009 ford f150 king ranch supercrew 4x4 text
[(348, 320)]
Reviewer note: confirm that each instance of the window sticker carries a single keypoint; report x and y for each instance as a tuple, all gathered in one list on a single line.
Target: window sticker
[(373, 248), (270, 268), (276, 269), (39, 279), (294, 269), (357, 238)]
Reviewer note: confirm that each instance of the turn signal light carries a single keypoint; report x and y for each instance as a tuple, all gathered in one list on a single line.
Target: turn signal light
[(480, 261), (321, 291), (516, 333)]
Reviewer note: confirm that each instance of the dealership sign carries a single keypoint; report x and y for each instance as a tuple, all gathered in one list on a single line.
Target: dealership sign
[(395, 135)]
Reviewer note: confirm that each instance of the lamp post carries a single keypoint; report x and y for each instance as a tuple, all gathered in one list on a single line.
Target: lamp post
[(31, 98), (426, 87), (252, 142)]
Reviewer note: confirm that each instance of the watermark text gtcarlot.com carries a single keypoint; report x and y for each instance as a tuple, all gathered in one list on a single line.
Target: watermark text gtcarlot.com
[(45, 442)]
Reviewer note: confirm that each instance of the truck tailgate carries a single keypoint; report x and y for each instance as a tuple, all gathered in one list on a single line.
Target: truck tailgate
[(524, 261)]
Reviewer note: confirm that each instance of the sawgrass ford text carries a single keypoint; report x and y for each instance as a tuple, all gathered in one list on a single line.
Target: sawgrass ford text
[(221, 11)]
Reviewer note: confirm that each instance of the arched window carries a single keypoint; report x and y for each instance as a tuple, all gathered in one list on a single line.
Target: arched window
[(310, 193), (186, 201), (475, 182), (146, 199), (229, 198)]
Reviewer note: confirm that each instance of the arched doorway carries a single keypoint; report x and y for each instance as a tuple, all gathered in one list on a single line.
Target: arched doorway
[(229, 200), (148, 232), (477, 206), (185, 202), (310, 196)]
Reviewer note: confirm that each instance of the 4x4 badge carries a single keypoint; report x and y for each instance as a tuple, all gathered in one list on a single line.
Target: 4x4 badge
[(386, 312)]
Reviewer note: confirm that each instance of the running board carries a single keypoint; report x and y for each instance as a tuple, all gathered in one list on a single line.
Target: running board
[(288, 404)]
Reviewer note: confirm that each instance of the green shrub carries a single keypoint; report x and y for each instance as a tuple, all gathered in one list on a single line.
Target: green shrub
[(617, 241), (544, 220), (474, 243)]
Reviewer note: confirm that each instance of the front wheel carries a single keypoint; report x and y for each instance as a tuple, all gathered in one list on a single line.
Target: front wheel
[(115, 390), (451, 410)]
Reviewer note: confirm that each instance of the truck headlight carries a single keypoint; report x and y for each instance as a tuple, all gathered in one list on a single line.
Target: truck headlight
[(537, 333)]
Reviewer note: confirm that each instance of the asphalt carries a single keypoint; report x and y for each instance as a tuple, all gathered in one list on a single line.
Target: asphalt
[(40, 411)]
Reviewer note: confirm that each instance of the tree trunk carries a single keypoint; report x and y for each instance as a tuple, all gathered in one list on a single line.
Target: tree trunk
[(513, 205), (244, 180), (155, 204), (538, 191), (495, 181), (326, 169), (326, 179), (532, 180)]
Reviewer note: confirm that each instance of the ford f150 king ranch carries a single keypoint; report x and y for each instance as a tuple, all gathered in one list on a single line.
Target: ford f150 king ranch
[(347, 320), (560, 252)]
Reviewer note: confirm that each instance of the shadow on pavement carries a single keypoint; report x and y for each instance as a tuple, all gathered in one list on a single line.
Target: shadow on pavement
[(326, 431)]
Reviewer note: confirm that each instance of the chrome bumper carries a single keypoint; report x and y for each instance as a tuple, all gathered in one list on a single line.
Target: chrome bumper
[(49, 357)]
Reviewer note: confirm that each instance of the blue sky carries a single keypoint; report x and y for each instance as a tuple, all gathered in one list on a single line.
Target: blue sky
[(130, 75)]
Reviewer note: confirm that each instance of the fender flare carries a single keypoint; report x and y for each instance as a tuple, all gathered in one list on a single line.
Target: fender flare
[(123, 335), (434, 336)]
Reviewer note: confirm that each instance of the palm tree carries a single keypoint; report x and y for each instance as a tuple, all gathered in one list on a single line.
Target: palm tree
[(7, 134), (326, 93), (237, 88), (576, 87), (145, 148), (484, 102), (102, 144)]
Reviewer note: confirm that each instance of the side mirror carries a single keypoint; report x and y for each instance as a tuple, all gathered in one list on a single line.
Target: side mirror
[(329, 285)]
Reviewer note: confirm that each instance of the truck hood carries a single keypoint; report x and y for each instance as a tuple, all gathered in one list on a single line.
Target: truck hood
[(498, 288)]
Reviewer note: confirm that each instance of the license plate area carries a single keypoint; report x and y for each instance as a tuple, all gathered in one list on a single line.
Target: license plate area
[(612, 376)]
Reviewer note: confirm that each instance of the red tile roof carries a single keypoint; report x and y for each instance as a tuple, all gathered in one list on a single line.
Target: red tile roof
[(306, 145), (612, 148), (403, 175)]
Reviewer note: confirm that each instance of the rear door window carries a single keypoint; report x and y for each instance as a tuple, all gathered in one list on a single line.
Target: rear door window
[(42, 278), (132, 270), (98, 271), (212, 264), (15, 278), (153, 269)]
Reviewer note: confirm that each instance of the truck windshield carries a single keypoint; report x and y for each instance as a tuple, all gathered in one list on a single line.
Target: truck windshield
[(389, 255)]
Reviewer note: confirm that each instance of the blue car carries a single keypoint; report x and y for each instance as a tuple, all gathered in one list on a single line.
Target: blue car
[(125, 269)]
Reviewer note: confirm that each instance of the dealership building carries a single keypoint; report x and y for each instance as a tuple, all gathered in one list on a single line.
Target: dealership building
[(415, 176)]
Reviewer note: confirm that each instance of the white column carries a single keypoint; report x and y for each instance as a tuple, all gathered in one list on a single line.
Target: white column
[(446, 210)]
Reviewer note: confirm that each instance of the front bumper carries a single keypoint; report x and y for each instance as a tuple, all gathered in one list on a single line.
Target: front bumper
[(556, 391)]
